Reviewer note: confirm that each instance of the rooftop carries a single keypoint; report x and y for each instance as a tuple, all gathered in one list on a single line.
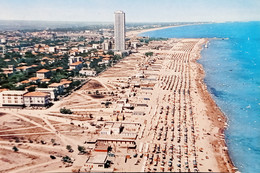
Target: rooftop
[(35, 94), (33, 78), (101, 158), (14, 92), (76, 63), (43, 71), (55, 84)]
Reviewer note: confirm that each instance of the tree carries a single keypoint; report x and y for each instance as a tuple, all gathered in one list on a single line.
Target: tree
[(69, 148), (65, 111), (31, 89), (53, 142), (67, 159), (148, 54), (15, 149), (82, 150)]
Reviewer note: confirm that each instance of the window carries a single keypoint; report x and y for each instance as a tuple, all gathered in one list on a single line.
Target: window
[(100, 165)]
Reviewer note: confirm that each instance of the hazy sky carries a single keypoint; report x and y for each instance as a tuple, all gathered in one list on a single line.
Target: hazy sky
[(136, 10)]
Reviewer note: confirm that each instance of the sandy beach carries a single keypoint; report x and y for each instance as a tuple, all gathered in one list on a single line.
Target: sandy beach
[(173, 113)]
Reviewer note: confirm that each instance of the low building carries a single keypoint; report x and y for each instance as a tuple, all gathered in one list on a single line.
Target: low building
[(88, 72), (36, 99), (45, 81), (58, 86), (51, 91), (66, 83), (101, 148), (34, 79), (1, 90), (43, 74), (12, 98), (97, 162), (23, 68), (76, 65)]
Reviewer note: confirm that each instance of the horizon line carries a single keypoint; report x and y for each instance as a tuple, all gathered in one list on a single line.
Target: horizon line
[(130, 22)]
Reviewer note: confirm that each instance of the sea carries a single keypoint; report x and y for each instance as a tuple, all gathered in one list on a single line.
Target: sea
[(232, 66)]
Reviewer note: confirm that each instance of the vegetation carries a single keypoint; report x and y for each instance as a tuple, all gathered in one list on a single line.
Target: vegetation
[(148, 54), (15, 149), (65, 111), (66, 159), (82, 149), (69, 148)]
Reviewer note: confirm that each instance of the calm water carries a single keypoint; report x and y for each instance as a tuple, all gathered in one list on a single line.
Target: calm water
[(233, 78)]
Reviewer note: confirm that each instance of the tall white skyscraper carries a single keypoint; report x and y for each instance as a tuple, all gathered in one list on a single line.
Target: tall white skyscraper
[(119, 30)]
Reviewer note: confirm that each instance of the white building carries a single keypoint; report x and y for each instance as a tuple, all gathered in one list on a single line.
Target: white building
[(96, 46), (88, 72), (36, 99), (43, 74), (97, 162), (119, 31), (73, 59), (12, 98), (59, 87), (52, 91), (52, 49)]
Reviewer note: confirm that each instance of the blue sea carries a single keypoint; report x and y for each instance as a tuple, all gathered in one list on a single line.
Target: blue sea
[(233, 78)]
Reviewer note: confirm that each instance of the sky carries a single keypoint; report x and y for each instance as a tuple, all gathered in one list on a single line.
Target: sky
[(136, 10)]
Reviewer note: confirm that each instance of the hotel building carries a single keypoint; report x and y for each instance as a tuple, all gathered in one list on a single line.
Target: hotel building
[(119, 31)]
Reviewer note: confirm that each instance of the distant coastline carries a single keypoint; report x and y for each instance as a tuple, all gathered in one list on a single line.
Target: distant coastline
[(137, 32)]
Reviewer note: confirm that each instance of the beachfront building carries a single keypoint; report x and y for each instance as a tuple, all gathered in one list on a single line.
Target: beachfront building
[(36, 99), (43, 74), (12, 98), (119, 31)]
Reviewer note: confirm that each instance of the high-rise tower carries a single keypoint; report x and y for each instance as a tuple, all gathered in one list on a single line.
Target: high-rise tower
[(119, 30)]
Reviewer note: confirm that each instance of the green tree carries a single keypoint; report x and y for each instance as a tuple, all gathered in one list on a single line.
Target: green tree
[(67, 159), (65, 111), (15, 149), (148, 54), (82, 149), (69, 148)]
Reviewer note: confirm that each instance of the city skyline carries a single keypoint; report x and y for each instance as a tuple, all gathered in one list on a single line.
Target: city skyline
[(154, 11)]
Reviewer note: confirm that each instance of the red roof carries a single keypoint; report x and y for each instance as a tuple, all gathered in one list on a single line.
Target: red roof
[(76, 63), (43, 71), (35, 94)]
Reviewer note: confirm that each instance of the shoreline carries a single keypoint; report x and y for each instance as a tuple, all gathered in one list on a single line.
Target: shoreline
[(224, 160), (135, 33)]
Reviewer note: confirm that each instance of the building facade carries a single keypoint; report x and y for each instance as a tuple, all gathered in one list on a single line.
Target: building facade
[(12, 98), (36, 99), (119, 31), (43, 74)]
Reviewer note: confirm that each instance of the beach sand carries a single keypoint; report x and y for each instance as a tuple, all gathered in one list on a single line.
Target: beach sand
[(178, 83), (209, 118)]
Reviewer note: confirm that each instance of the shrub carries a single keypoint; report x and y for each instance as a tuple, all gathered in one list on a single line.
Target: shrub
[(65, 111)]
